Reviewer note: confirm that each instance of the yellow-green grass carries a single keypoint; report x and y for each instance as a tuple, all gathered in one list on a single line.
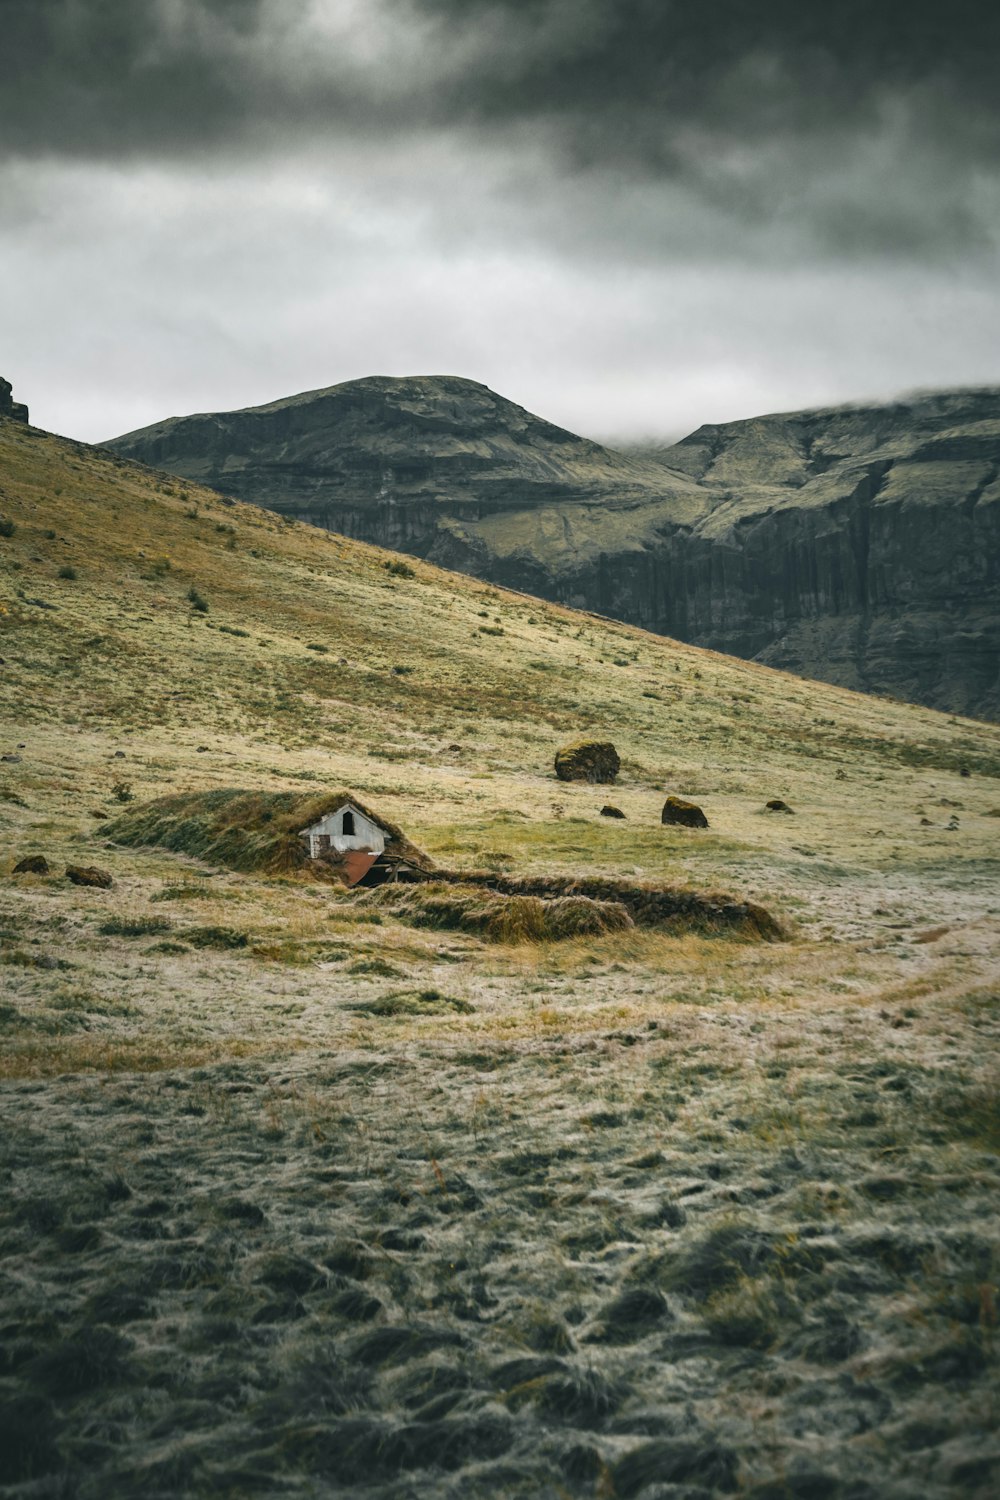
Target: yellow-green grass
[(122, 690)]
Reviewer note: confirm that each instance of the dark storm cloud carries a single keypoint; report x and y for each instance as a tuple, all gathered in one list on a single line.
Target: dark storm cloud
[(632, 215), (622, 76), (865, 128)]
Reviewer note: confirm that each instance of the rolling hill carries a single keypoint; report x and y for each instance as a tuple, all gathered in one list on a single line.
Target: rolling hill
[(857, 545), (316, 1191)]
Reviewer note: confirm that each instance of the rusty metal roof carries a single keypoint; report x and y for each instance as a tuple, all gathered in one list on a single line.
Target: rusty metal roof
[(356, 863)]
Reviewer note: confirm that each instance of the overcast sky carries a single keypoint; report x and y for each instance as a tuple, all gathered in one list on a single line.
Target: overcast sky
[(630, 216)]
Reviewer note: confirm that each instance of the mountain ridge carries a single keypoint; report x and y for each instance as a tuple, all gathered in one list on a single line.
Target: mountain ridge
[(855, 544)]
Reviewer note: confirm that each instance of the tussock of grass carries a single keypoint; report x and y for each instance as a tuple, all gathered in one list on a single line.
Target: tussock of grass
[(215, 937), (378, 968), (966, 1113), (192, 893), (414, 1003), (502, 918), (137, 927)]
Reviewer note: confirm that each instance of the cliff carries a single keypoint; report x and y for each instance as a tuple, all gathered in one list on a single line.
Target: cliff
[(16, 411), (857, 545)]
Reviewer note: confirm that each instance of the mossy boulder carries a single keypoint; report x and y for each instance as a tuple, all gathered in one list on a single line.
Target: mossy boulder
[(686, 814), (588, 760), (32, 864), (89, 875)]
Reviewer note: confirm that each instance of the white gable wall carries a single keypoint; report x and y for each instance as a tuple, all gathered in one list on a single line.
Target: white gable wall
[(366, 835)]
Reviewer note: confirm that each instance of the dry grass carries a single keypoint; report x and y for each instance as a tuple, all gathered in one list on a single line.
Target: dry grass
[(502, 918), (416, 1208)]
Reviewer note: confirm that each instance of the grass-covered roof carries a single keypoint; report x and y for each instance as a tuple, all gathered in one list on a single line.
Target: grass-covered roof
[(249, 830)]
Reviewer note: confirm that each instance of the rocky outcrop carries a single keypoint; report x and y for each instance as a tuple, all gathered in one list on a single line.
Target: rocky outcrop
[(14, 410), (858, 545)]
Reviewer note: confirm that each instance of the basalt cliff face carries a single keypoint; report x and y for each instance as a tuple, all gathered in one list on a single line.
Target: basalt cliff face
[(856, 545), (15, 411)]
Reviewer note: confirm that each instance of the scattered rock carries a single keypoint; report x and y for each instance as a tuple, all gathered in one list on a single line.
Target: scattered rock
[(12, 760), (588, 760), (32, 864), (95, 812), (201, 750), (89, 875), (776, 805), (965, 771), (607, 811), (118, 755), (926, 823), (687, 814)]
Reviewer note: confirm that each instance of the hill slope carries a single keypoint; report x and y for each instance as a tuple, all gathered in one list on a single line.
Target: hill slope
[(857, 545), (303, 1196)]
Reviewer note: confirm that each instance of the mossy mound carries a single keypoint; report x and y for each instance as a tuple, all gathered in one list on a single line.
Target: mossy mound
[(588, 760), (670, 908), (502, 918), (252, 831)]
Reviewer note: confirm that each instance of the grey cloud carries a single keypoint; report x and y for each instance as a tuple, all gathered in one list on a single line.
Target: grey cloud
[(849, 127), (621, 76), (631, 216)]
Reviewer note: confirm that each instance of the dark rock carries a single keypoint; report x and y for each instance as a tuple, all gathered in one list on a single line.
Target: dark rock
[(588, 760), (607, 811), (32, 864), (13, 760), (9, 407), (776, 805), (687, 814), (89, 875)]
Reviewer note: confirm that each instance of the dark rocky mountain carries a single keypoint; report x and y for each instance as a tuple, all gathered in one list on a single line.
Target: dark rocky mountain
[(15, 410), (858, 545)]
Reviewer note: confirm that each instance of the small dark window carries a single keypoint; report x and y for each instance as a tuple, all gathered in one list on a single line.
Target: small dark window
[(347, 826)]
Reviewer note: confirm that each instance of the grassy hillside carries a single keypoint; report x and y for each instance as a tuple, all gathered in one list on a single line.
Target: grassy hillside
[(852, 544), (304, 1198)]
